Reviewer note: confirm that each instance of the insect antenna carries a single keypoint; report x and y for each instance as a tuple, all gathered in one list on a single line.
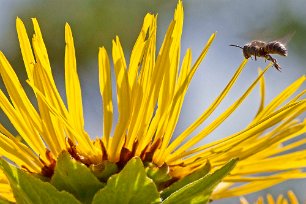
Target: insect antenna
[(236, 46)]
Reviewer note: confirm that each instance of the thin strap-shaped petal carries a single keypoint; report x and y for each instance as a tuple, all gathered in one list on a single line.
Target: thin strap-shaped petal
[(6, 191), (42, 60), (253, 187), (26, 50), (219, 120), (260, 200), (268, 144), (151, 78), (73, 88), (277, 163), (262, 92), (123, 99), (15, 151), (138, 50), (290, 174), (243, 200), (169, 58), (174, 108), (4, 131), (265, 146), (143, 55), (208, 111), (46, 84), (41, 45), (158, 154), (43, 80), (284, 95), (53, 133), (22, 125), (293, 199), (106, 93), (142, 102), (281, 199), (246, 189), (86, 149), (288, 134), (171, 61), (270, 199), (177, 102), (225, 144), (17, 94), (286, 130)]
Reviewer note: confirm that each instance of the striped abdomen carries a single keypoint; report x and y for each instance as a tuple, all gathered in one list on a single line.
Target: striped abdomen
[(275, 47)]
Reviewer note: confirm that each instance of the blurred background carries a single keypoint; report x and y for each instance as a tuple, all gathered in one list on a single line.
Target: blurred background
[(96, 23)]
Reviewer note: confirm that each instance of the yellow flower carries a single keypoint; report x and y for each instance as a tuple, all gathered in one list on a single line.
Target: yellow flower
[(150, 93), (270, 200)]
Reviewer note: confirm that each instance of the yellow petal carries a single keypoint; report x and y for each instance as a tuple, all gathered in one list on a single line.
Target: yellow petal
[(73, 88), (15, 151), (284, 95), (262, 92), (106, 93), (26, 50), (143, 104), (123, 100), (23, 125), (217, 121), (139, 49), (209, 110), (177, 141), (292, 197), (245, 189), (270, 199), (6, 192)]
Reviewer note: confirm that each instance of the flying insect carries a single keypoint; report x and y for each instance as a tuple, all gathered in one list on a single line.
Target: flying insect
[(263, 49)]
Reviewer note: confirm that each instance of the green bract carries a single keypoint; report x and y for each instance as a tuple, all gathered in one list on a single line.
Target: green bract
[(73, 182), (75, 178)]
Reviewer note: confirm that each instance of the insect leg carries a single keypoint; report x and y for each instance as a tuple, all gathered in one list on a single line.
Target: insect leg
[(270, 58)]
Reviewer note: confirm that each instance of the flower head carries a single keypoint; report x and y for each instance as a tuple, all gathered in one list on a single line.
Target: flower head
[(150, 93)]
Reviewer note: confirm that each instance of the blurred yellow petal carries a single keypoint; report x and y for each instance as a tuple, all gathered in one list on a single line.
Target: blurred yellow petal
[(5, 189), (292, 197), (270, 200)]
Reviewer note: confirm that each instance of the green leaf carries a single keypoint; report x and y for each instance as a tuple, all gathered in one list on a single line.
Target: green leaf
[(199, 191), (28, 189), (186, 180), (75, 178), (2, 201), (131, 185)]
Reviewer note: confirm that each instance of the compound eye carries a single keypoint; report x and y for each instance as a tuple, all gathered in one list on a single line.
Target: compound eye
[(246, 55)]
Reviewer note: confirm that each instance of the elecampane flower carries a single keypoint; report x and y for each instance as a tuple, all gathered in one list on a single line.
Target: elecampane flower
[(279, 200), (150, 92)]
